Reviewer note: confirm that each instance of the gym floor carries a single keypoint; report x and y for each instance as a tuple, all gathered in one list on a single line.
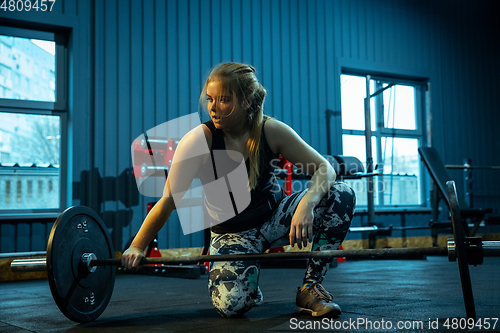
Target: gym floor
[(417, 295)]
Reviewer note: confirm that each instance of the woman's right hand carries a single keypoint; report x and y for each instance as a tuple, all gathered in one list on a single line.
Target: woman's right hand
[(131, 258)]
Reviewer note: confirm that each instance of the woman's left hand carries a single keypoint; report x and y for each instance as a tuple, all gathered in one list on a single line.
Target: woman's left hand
[(301, 229)]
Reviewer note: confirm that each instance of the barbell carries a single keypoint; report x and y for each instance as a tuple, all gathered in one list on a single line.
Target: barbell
[(80, 256)]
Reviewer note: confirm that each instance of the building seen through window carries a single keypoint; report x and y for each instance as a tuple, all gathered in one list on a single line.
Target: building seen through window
[(30, 140), (27, 69)]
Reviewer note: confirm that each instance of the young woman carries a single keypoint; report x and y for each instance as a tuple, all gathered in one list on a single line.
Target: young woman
[(320, 214)]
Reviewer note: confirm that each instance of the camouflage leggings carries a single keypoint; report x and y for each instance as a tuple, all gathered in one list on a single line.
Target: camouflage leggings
[(233, 285)]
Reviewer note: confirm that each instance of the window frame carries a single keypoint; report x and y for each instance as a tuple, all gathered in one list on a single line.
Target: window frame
[(58, 108), (380, 131)]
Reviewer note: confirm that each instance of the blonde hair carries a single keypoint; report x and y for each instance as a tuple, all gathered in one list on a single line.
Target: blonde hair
[(241, 82)]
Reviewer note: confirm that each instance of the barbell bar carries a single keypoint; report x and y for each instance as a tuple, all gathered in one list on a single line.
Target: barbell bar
[(489, 249), (80, 256), (469, 166), (30, 265)]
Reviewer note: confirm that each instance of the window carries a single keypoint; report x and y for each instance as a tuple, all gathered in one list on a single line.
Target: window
[(396, 114), (7, 191), (32, 122), (30, 190)]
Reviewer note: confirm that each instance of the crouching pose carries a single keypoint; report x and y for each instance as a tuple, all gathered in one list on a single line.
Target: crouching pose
[(320, 214)]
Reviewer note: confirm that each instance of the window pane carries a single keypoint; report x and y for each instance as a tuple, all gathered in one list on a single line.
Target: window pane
[(354, 145), (29, 155), (27, 69), (353, 93), (401, 164), (399, 107)]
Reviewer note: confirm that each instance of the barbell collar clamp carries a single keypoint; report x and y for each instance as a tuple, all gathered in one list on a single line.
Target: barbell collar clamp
[(452, 255), (486, 249), (87, 259)]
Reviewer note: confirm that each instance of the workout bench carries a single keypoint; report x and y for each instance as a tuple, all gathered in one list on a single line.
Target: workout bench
[(440, 176)]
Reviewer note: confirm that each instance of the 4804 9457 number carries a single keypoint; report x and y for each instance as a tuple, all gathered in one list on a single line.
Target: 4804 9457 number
[(27, 5)]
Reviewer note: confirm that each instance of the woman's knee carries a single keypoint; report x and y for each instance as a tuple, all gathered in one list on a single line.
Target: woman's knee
[(336, 209), (231, 291), (343, 197)]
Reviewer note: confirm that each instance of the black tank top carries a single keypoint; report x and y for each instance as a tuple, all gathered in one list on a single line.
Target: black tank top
[(264, 198)]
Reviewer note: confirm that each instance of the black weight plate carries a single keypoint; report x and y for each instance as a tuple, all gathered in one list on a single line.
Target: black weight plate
[(81, 295), (461, 251)]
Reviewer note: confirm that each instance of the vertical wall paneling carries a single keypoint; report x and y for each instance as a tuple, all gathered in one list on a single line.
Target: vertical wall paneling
[(487, 151), (287, 94), (296, 92), (376, 14), (70, 8), (246, 31), (236, 19), (453, 83), (196, 239), (332, 79), (136, 94), (256, 14), (37, 238), (384, 30), (7, 239), (321, 89), (184, 33), (214, 46), (302, 127), (108, 138), (345, 32), (166, 34), (276, 70), (369, 47), (160, 93), (124, 113), (172, 93), (160, 69), (401, 36), (172, 60), (266, 47), (149, 110), (226, 32), (196, 53), (465, 63), (362, 44), (435, 33), (136, 61), (354, 23), (313, 75), (99, 92), (80, 103), (206, 56), (23, 237)]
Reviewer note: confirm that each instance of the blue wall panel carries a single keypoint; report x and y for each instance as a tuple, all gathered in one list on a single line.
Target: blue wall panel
[(123, 107)]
